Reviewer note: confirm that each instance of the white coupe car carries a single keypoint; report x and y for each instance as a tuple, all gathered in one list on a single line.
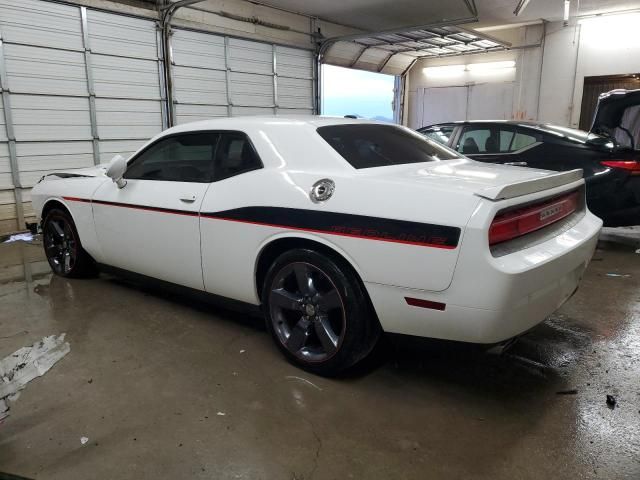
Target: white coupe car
[(339, 229)]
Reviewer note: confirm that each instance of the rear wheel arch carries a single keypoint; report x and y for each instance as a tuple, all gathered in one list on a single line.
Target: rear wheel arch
[(272, 250)]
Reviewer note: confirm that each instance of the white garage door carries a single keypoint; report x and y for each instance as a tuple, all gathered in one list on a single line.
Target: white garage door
[(82, 85), (483, 101), (215, 76)]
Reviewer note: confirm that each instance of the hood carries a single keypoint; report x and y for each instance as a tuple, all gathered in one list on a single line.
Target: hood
[(95, 171), (488, 180), (617, 109)]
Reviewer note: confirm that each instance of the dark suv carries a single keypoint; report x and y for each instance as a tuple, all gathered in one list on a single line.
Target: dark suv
[(608, 154)]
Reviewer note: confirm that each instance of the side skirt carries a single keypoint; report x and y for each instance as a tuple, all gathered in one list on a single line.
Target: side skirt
[(182, 291)]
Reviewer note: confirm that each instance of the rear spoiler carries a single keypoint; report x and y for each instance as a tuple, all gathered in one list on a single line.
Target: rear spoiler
[(547, 182)]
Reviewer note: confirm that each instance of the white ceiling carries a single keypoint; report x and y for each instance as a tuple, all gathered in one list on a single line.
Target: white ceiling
[(376, 15)]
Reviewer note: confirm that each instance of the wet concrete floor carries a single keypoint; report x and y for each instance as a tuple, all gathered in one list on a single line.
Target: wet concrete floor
[(163, 387)]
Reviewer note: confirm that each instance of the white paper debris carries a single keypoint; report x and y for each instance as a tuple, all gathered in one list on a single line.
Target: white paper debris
[(27, 363), (221, 414), (83, 440), (242, 351), (623, 275), (20, 237)]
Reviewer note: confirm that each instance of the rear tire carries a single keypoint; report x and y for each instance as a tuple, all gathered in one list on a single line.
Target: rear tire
[(318, 312), (63, 248)]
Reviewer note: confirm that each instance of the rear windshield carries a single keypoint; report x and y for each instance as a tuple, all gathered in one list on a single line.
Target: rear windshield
[(368, 145)]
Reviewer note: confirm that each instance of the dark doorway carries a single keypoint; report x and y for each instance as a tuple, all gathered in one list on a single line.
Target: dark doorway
[(594, 86)]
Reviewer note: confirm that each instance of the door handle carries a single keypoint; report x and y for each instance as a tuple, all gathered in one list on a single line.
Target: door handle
[(517, 164), (190, 198)]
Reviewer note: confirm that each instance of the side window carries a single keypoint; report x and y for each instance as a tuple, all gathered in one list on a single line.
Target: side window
[(522, 140), (439, 134), (485, 140), (179, 158), (235, 155)]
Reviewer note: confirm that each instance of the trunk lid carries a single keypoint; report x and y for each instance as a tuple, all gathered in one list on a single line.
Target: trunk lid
[(488, 180), (617, 115)]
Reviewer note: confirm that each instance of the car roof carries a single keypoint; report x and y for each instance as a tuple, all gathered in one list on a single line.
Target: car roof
[(230, 123)]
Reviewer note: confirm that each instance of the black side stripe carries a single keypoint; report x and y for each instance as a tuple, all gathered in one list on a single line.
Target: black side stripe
[(344, 224), (333, 223)]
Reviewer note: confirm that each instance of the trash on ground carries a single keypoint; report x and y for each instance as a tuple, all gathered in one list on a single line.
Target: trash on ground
[(83, 440), (242, 351), (221, 414), (20, 237), (573, 391), (611, 401), (27, 363), (624, 275)]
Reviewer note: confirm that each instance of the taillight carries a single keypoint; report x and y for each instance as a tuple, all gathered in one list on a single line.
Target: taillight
[(520, 221), (632, 166)]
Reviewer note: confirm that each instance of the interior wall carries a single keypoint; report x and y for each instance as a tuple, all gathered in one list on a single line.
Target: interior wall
[(549, 79)]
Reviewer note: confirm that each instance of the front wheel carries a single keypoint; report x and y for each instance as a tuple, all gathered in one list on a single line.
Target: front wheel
[(318, 312), (62, 246)]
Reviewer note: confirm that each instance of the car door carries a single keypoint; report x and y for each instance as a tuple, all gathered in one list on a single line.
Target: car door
[(151, 226), (499, 143)]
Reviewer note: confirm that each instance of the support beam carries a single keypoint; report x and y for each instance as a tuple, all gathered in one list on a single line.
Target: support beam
[(13, 157), (90, 86)]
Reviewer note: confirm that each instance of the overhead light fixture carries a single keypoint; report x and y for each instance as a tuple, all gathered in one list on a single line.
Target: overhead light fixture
[(444, 70), (522, 4), (479, 67), (567, 7)]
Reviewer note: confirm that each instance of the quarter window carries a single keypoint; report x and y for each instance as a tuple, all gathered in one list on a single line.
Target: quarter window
[(179, 158), (522, 140), (235, 155)]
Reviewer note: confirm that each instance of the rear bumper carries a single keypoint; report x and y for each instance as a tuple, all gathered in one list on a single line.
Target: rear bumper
[(492, 299)]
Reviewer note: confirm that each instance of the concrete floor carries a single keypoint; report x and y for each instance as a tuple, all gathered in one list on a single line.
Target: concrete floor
[(150, 376)]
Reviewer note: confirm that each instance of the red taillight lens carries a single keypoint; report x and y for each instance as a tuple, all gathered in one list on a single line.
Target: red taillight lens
[(632, 166), (515, 223)]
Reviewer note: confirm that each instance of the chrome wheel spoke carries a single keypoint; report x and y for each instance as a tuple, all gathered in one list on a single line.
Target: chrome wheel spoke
[(326, 335), (67, 261), (299, 335)]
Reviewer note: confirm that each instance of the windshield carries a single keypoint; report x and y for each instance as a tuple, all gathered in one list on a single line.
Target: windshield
[(371, 145)]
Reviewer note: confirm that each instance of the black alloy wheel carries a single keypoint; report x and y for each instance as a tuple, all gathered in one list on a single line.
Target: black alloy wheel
[(318, 312)]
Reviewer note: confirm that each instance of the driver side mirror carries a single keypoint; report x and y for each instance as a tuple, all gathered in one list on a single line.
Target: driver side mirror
[(116, 169)]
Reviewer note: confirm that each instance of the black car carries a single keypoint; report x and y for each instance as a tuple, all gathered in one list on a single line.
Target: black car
[(608, 154)]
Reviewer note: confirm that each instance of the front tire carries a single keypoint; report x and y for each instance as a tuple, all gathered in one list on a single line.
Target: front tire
[(318, 312), (63, 248)]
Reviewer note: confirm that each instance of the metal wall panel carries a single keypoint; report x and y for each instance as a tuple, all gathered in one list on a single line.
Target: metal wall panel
[(199, 86), (110, 148), (124, 119), (251, 90), (45, 71), (45, 118), (125, 77), (244, 78), (250, 57), (5, 167), (193, 113), (113, 34), (34, 22)]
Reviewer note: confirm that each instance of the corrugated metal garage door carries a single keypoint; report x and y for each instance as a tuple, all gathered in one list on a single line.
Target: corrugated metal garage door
[(82, 85), (216, 76)]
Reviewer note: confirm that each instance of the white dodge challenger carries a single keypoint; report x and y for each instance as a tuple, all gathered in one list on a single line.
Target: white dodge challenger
[(339, 229)]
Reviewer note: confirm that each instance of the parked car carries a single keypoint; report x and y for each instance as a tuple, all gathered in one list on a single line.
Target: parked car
[(339, 229), (608, 154)]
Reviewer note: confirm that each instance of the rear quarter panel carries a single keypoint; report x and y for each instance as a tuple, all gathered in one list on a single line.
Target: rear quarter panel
[(231, 249)]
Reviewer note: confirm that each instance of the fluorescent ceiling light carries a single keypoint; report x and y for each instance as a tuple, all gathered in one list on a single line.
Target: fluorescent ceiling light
[(522, 4), (444, 70), (477, 67), (567, 7)]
